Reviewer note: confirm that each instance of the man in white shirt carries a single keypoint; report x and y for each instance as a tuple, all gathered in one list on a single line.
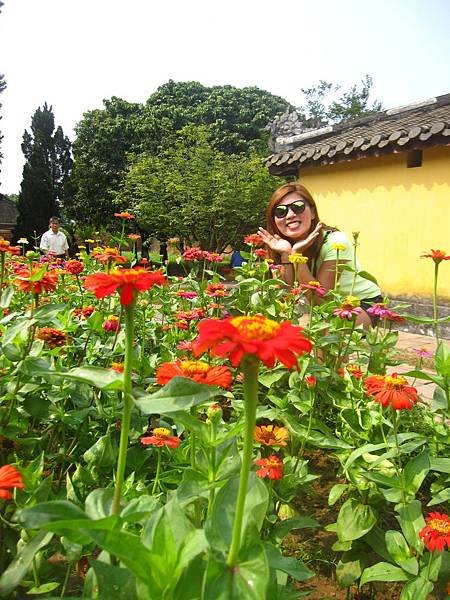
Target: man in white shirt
[(54, 242)]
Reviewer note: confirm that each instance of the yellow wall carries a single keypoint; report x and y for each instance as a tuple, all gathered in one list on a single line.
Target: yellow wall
[(400, 212)]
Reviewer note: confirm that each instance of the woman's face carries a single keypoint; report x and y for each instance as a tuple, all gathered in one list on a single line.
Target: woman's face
[(295, 226)]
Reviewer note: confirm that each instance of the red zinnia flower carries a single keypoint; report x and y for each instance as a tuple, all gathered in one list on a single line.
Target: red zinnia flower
[(124, 215), (315, 286), (5, 246), (271, 435), (261, 253), (391, 390), (348, 309), (10, 478), (254, 239), (47, 282), (195, 253), (185, 345), (186, 295), (437, 255), (196, 370), (252, 334), (271, 467), (213, 257), (112, 323), (127, 281), (310, 381), (75, 267), (354, 371), (134, 237), (117, 366), (161, 437), (436, 534)]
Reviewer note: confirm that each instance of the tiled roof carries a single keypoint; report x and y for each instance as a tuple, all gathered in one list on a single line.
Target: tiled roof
[(416, 126)]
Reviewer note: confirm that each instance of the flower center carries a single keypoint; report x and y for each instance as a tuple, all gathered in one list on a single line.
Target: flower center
[(161, 432), (441, 526), (255, 327), (194, 367), (395, 381), (273, 462)]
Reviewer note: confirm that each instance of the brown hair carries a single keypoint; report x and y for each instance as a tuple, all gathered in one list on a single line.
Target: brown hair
[(313, 251)]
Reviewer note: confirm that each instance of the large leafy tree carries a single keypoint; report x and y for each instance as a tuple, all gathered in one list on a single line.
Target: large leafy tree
[(198, 193), (105, 139), (325, 103), (108, 139), (45, 181)]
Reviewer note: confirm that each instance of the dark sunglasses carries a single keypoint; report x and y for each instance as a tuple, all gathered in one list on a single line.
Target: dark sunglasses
[(282, 210)]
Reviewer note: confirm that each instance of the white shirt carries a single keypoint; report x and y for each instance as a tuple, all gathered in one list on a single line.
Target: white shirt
[(55, 242)]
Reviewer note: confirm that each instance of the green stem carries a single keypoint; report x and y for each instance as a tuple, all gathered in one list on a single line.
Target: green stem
[(312, 397), (250, 368), (158, 469), (397, 465), (435, 315), (127, 405), (336, 273)]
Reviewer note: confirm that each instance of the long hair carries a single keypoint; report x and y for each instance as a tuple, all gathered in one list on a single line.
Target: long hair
[(313, 251)]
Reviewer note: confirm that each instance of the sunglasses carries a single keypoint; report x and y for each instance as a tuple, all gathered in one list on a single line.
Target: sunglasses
[(282, 210)]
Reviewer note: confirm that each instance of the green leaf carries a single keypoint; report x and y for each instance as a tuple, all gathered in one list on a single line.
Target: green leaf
[(383, 571), (17, 569), (282, 528), (336, 492), (48, 312), (114, 582), (315, 438), (287, 564), (411, 521), (248, 579), (103, 453), (360, 451), (418, 589), (48, 512), (415, 472), (43, 589), (440, 498), (128, 548), (440, 464), (349, 568), (6, 296), (98, 503), (366, 275), (103, 379), (400, 553), (355, 520), (442, 359), (180, 394), (270, 377)]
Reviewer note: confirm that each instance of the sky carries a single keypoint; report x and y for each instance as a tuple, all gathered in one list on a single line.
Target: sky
[(72, 54)]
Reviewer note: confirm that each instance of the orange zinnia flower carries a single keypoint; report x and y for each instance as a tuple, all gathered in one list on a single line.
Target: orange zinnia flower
[(436, 534), (252, 334), (54, 338), (391, 390), (196, 370), (437, 255), (127, 281), (271, 467), (47, 282), (117, 366), (105, 255), (161, 437), (9, 478), (271, 435), (124, 215), (5, 246), (253, 239)]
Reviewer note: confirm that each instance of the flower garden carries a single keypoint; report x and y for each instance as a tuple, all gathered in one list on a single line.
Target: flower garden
[(161, 437)]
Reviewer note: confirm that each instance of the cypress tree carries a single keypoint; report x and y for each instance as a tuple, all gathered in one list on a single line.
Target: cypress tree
[(45, 179)]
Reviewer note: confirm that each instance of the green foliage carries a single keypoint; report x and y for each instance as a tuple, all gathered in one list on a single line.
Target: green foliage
[(198, 193), (319, 109), (108, 138), (45, 181)]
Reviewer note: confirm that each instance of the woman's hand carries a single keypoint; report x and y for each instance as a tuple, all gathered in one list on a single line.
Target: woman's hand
[(302, 245), (275, 242)]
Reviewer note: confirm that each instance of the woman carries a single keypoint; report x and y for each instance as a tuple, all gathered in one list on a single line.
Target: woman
[(293, 227)]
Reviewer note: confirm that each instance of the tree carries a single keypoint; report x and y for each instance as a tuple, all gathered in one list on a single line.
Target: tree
[(198, 193), (320, 109), (45, 180), (108, 140), (104, 140)]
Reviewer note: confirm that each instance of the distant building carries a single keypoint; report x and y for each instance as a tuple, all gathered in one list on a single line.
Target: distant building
[(386, 175), (8, 217)]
